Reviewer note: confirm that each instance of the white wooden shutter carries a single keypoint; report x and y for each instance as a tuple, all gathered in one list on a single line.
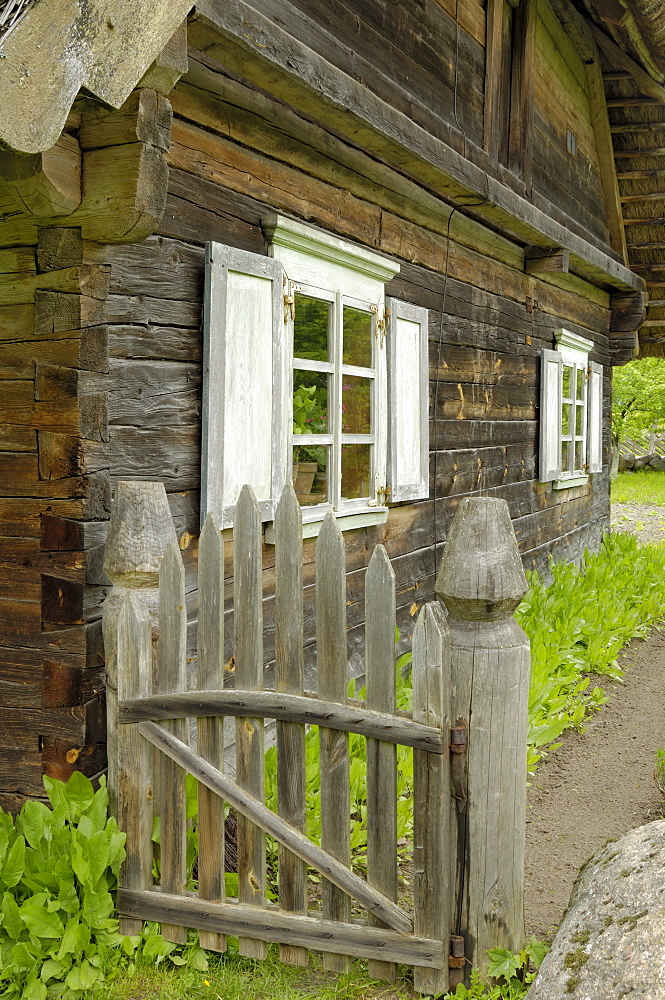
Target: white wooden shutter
[(551, 375), (408, 401), (595, 418), (244, 376)]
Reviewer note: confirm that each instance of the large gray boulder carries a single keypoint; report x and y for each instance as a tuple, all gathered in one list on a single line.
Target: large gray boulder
[(611, 943)]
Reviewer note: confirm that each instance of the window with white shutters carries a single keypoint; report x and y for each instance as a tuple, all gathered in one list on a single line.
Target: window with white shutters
[(310, 375), (571, 410)]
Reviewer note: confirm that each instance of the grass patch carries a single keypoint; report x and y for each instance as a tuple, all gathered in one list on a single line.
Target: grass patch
[(643, 486), (231, 977)]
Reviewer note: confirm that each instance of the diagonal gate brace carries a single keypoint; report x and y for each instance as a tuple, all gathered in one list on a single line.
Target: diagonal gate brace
[(283, 832)]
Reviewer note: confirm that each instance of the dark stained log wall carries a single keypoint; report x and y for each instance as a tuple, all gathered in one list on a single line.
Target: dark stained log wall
[(413, 55)]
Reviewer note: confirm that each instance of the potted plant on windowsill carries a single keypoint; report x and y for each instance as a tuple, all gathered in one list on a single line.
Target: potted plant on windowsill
[(309, 461)]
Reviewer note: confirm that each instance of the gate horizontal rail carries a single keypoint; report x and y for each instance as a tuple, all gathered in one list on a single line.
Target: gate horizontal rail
[(288, 708), (272, 924)]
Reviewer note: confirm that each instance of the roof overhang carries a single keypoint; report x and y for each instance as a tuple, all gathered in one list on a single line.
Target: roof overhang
[(62, 46)]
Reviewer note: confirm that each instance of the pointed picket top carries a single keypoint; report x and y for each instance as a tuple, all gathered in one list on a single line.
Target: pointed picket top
[(431, 665), (140, 528), (481, 576), (247, 514), (288, 516), (289, 658), (380, 569), (330, 537), (210, 634)]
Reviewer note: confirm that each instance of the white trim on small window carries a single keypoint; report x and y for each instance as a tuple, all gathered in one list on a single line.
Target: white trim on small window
[(571, 399)]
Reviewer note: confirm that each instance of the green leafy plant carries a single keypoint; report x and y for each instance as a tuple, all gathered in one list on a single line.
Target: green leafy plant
[(513, 972), (58, 868), (309, 417), (59, 932), (577, 626)]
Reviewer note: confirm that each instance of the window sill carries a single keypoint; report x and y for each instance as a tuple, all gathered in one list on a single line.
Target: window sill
[(355, 519), (566, 484)]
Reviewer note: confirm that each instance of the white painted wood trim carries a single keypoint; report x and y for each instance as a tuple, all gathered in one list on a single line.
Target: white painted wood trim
[(225, 402), (408, 369), (566, 484), (551, 375), (595, 418), (346, 522), (316, 243), (566, 338)]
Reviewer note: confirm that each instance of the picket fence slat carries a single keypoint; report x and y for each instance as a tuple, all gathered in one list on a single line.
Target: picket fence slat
[(431, 794), (210, 731), (354, 718), (333, 743), (248, 806), (271, 924), (134, 755), (289, 669), (248, 623), (381, 756), (171, 676)]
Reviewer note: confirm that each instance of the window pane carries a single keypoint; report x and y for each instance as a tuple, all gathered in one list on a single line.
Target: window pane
[(310, 402), (356, 405), (566, 428), (356, 471), (310, 473), (566, 381), (579, 456), (311, 328), (580, 383), (578, 420), (565, 456), (357, 333)]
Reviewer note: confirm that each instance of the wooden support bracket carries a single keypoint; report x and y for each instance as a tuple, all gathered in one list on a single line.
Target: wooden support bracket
[(538, 260), (46, 184), (628, 312)]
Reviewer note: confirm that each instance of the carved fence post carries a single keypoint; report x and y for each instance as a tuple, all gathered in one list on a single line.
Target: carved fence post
[(481, 582), (140, 529)]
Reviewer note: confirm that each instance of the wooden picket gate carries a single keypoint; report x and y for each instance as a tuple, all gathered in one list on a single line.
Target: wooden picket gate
[(151, 708)]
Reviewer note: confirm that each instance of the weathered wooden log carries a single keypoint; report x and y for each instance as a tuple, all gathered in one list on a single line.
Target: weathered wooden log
[(481, 582)]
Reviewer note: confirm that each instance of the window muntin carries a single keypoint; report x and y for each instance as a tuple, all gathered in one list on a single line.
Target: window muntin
[(573, 418), (334, 399)]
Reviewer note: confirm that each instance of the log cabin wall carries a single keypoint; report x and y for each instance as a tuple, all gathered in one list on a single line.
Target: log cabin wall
[(566, 173), (133, 409), (235, 157)]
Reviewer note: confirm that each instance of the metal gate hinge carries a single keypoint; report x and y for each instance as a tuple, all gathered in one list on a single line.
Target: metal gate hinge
[(458, 747), (456, 960)]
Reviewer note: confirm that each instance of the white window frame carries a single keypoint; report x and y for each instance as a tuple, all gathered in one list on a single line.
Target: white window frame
[(572, 353), (320, 265)]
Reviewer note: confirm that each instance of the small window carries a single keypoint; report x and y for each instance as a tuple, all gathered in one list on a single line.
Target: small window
[(311, 375), (571, 412)]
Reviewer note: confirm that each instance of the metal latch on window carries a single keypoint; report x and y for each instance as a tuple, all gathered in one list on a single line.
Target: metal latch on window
[(383, 495), (289, 302), (381, 322)]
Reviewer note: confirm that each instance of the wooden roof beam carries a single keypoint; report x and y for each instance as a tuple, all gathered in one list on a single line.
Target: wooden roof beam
[(252, 45), (646, 84)]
